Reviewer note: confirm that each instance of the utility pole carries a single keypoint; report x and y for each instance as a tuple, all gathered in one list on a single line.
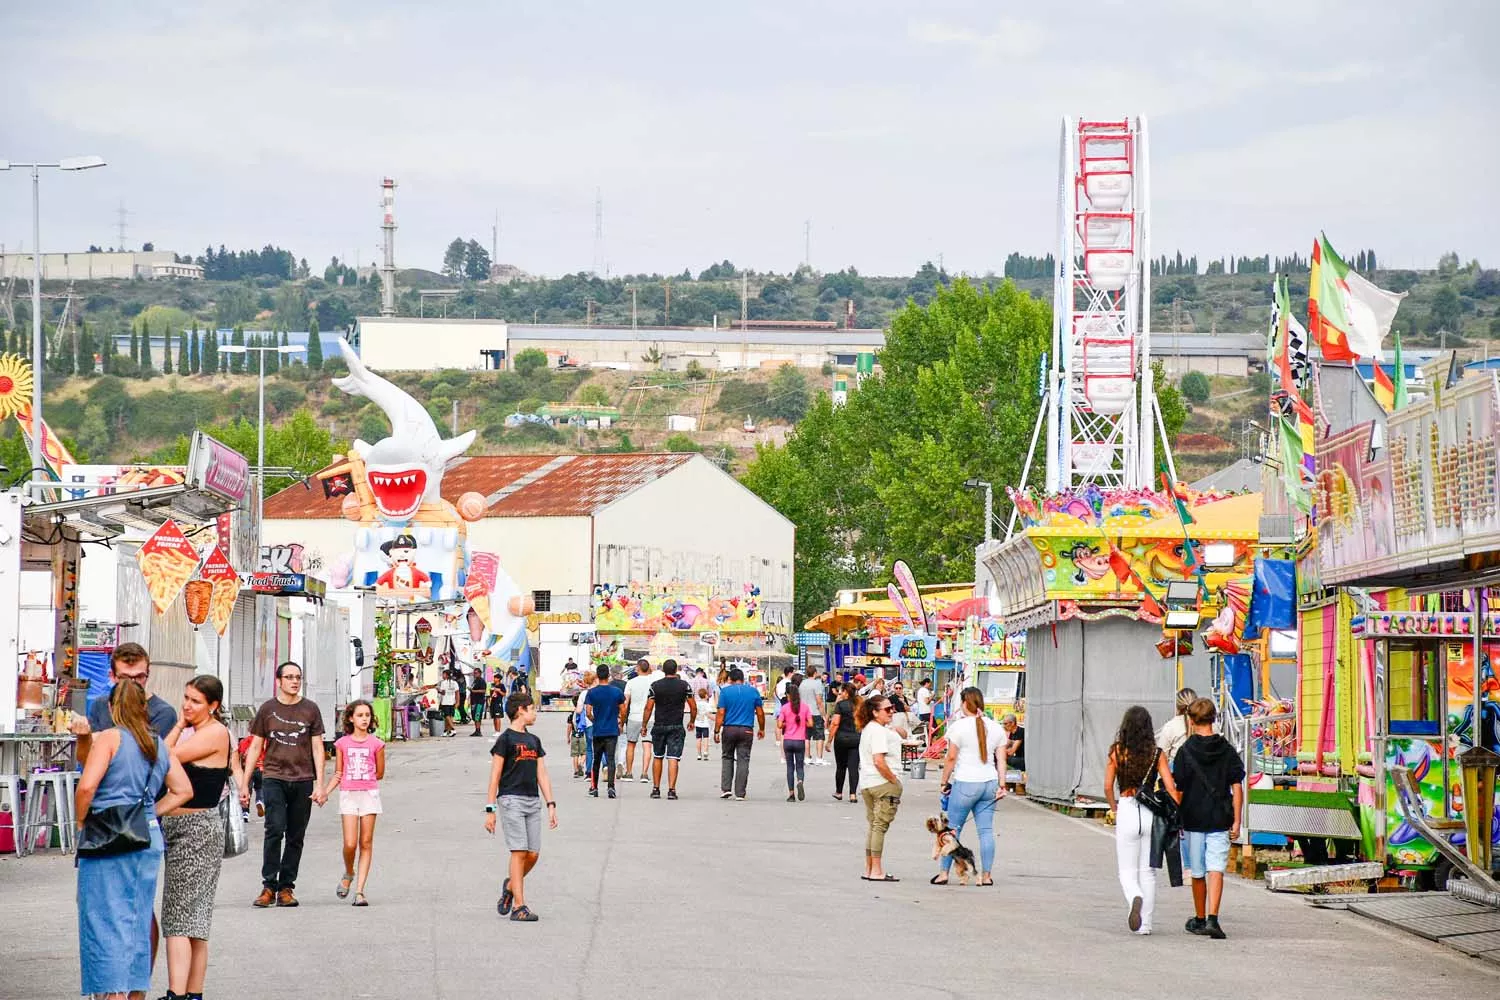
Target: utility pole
[(807, 244), (632, 309), (745, 319), (495, 241), (598, 233), (120, 216), (668, 310)]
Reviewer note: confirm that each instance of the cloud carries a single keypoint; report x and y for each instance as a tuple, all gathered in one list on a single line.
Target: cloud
[(1009, 39)]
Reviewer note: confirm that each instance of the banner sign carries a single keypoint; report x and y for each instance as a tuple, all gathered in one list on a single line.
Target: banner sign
[(914, 647), (216, 468), (1433, 498), (218, 571), (167, 561)]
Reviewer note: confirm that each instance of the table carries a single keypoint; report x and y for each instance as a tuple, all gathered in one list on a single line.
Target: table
[(22, 753)]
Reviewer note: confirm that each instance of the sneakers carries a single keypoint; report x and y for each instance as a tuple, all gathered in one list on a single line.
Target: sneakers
[(1196, 925), (1212, 929), (260, 808), (612, 792), (476, 733), (643, 778), (791, 797), (801, 793), (593, 793), (724, 795), (1134, 920), (265, 899), (739, 798), (656, 793), (285, 898), (672, 794)]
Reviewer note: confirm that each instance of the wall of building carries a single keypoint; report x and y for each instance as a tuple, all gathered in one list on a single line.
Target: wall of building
[(407, 344), (626, 354), (1179, 365), (698, 525), (86, 266)]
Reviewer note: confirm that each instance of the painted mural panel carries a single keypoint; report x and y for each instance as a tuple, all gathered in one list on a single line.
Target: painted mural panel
[(677, 607)]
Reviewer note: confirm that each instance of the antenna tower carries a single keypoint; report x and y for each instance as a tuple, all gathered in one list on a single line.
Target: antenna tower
[(388, 263), (598, 233), (121, 214)]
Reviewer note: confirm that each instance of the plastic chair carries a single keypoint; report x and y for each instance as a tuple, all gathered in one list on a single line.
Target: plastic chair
[(46, 797), (10, 787)]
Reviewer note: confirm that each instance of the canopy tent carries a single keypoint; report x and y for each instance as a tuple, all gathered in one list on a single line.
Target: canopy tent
[(860, 614)]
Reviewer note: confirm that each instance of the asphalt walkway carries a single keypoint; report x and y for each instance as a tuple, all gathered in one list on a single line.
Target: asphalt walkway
[(703, 897)]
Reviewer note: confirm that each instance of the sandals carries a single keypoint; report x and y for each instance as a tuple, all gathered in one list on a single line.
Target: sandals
[(345, 884), (359, 899), (506, 898), (883, 878), (938, 880), (524, 914)]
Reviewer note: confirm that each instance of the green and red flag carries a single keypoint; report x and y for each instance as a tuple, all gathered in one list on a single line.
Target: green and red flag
[(1347, 316)]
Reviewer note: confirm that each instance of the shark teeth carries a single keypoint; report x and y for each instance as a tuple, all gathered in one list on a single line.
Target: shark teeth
[(381, 479)]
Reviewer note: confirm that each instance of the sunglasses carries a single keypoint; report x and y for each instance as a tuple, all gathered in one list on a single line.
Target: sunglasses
[(885, 708)]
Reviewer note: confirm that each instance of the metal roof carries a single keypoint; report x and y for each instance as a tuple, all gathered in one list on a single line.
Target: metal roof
[(788, 336), (516, 485), (1208, 344)]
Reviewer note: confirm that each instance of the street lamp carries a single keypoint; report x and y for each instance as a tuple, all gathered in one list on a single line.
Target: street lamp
[(260, 433), (989, 505), (70, 163)]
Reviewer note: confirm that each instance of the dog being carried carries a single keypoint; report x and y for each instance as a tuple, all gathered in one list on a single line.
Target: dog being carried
[(947, 844)]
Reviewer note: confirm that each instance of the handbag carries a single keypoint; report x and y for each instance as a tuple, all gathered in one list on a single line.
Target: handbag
[(1154, 797), (113, 830), (236, 837)]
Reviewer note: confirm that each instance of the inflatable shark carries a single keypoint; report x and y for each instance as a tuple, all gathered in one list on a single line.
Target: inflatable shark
[(404, 473)]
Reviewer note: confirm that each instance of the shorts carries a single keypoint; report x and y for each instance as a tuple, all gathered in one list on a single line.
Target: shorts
[(579, 745), (359, 802), (521, 819), (815, 730), (448, 711), (1205, 852), (703, 732), (668, 742), (476, 710), (633, 732)]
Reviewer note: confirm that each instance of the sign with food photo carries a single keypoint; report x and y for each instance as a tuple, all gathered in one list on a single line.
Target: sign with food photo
[(167, 561), (218, 571)]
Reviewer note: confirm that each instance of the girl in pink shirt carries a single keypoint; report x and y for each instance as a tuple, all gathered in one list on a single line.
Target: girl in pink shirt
[(791, 726), (361, 765)]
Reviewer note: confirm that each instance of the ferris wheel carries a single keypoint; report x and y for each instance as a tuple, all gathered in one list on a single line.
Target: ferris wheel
[(1100, 402)]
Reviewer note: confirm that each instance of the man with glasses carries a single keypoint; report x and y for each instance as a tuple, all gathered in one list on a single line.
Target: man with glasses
[(129, 661), (290, 729)]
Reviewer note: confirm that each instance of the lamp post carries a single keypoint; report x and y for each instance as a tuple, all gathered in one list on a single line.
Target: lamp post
[(989, 505), (71, 163), (260, 431)]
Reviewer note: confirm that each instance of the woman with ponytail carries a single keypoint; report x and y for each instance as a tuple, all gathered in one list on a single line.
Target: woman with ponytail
[(791, 726), (971, 779), (127, 765)]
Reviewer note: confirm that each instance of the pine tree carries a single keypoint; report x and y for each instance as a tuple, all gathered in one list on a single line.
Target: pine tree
[(107, 353), (84, 361), (1370, 259), (166, 352), (195, 350), (135, 347), (273, 360), (237, 339), (210, 351), (184, 361), (314, 346)]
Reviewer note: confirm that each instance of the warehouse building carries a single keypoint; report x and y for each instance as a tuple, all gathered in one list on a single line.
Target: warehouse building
[(563, 525)]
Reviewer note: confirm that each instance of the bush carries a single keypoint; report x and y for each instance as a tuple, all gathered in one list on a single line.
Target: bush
[(1195, 387), (530, 361), (333, 367), (1260, 382), (593, 395), (694, 371), (681, 443)]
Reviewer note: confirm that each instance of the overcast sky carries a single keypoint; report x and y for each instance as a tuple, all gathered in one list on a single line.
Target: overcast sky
[(903, 131)]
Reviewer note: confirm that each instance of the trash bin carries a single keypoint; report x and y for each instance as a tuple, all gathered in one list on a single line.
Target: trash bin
[(435, 726), (919, 768), (1478, 765)]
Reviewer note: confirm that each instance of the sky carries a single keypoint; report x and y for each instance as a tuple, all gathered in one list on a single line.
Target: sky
[(867, 133)]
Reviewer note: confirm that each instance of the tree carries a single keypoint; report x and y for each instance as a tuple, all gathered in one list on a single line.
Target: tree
[(681, 443), (1446, 309), (147, 356), (135, 348), (1195, 387), (881, 477), (107, 354), (592, 395), (237, 361), (84, 363), (297, 442), (1169, 399), (476, 262), (210, 364), (789, 395), (530, 361), (166, 352), (314, 346), (184, 362), (453, 259), (195, 347)]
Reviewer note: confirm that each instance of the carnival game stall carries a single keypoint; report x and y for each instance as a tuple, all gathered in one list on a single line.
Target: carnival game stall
[(1108, 588), (1410, 532), (695, 623)]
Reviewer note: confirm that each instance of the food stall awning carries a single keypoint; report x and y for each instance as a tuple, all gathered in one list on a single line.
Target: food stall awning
[(852, 616)]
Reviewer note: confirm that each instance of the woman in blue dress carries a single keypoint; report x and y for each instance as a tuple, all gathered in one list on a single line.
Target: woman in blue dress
[(115, 894)]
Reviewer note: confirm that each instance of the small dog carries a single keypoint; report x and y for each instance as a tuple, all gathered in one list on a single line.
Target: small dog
[(947, 843)]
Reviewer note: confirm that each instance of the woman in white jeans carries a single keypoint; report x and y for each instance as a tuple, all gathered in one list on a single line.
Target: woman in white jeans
[(1132, 758)]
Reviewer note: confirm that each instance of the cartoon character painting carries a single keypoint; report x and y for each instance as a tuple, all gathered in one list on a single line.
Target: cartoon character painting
[(675, 607), (404, 578), (1088, 563)]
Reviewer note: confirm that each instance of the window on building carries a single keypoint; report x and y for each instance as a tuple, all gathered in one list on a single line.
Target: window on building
[(847, 360), (543, 599)]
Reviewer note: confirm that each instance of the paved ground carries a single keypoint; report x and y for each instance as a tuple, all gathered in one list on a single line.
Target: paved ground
[(659, 899)]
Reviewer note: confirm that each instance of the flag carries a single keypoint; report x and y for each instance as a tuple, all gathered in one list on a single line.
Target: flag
[(1286, 342), (1398, 391), (1385, 390), (1296, 446), (1349, 317), (1174, 494)]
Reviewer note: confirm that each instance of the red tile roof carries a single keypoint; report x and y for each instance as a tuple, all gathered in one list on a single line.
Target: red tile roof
[(516, 485)]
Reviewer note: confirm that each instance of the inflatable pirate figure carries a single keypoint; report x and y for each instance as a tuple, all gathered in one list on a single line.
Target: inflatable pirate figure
[(405, 578)]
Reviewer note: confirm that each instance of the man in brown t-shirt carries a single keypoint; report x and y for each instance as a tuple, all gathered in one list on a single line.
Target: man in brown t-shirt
[(290, 730)]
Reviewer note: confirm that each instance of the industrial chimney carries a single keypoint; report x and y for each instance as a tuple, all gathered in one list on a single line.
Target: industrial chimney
[(388, 231)]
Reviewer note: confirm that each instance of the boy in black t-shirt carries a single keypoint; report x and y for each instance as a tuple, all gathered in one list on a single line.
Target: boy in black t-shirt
[(520, 786)]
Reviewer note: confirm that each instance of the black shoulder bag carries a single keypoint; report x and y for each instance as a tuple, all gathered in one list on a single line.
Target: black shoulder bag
[(122, 829), (1154, 797)]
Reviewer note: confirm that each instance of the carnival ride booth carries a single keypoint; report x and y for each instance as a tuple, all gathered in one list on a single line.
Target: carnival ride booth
[(695, 624), (1411, 532), (1086, 580)]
